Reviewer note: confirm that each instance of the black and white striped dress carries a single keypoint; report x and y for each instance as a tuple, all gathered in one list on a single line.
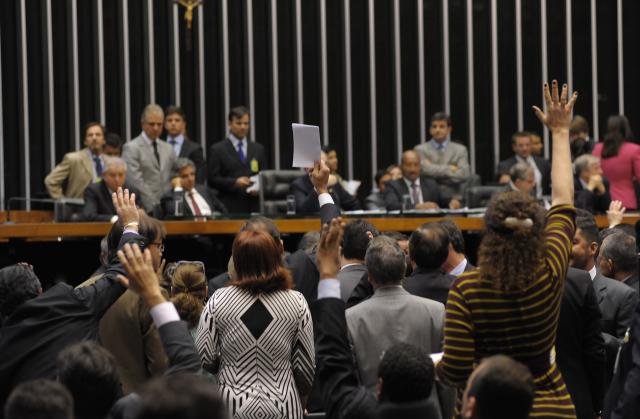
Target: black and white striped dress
[(264, 346)]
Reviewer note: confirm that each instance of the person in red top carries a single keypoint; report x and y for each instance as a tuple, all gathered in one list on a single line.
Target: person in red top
[(620, 160)]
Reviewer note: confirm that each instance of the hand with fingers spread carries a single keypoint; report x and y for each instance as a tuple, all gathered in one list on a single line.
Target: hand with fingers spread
[(328, 253), (559, 107), (141, 277), (615, 213), (125, 205), (320, 176)]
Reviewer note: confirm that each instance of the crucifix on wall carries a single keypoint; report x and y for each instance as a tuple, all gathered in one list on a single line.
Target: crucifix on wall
[(189, 5)]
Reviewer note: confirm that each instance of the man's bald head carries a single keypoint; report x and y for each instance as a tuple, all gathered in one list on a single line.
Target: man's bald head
[(410, 165)]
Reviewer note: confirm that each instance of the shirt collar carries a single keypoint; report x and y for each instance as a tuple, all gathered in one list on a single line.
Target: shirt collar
[(592, 272), (439, 146), (179, 139), (91, 155), (235, 140), (351, 264), (529, 160), (409, 183), (459, 270), (147, 139)]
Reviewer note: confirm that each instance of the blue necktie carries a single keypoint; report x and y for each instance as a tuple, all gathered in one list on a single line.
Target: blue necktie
[(241, 155), (98, 163)]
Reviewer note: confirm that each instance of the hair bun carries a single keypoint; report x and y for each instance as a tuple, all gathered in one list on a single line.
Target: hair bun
[(515, 223)]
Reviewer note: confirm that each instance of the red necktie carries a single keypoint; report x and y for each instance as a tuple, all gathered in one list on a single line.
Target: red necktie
[(196, 208)]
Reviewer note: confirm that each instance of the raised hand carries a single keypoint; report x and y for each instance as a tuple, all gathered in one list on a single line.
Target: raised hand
[(615, 214), (328, 253), (320, 176), (558, 116), (125, 206), (141, 277)]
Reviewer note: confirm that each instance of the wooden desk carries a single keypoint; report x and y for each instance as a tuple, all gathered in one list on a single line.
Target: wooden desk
[(47, 231)]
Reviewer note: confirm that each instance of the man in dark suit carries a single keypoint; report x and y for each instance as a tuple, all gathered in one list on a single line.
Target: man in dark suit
[(615, 300), (456, 263), (357, 235), (233, 161), (579, 344), (98, 204), (405, 373), (197, 200), (423, 192), (521, 144), (591, 189), (175, 122), (307, 197), (37, 327), (618, 258)]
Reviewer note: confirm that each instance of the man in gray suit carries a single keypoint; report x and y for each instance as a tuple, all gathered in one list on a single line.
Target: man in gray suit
[(391, 315), (357, 235), (443, 160), (149, 159)]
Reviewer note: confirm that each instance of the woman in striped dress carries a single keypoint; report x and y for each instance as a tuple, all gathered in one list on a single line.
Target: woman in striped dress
[(511, 302)]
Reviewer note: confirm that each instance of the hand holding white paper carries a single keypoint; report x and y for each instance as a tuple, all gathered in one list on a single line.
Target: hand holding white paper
[(306, 145)]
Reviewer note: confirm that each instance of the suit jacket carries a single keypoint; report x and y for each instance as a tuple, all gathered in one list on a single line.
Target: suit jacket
[(543, 165), (395, 189), (336, 377), (617, 302), (98, 204), (633, 281), (33, 335), (429, 284), (167, 203), (193, 151), (437, 165), (307, 198), (374, 201), (579, 344), (76, 170), (224, 167), (623, 397), (590, 201), (144, 172), (373, 328), (349, 277)]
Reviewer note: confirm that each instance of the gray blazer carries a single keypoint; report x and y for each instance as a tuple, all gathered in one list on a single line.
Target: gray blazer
[(391, 316), (349, 278), (439, 166), (144, 172)]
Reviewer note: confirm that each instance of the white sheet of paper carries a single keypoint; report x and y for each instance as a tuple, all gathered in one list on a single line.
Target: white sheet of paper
[(256, 184), (352, 186), (306, 145)]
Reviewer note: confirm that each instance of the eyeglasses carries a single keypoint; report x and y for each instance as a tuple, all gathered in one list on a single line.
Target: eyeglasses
[(160, 246)]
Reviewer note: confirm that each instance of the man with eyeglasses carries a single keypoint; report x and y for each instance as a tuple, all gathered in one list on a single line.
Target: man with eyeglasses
[(126, 329)]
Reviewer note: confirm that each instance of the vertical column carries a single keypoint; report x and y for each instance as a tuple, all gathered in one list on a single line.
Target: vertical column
[(275, 83), (372, 89), (397, 75), (445, 56), (494, 82), (299, 68), (620, 61), (250, 65), (126, 82), (201, 82), (75, 73), (594, 72), (100, 39), (545, 67), (421, 73), (51, 115), (24, 87), (348, 92), (471, 87), (176, 56), (323, 72), (225, 56), (150, 46), (519, 88), (568, 27)]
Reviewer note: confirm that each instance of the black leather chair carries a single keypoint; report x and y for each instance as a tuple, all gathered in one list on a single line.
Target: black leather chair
[(274, 188), (479, 196)]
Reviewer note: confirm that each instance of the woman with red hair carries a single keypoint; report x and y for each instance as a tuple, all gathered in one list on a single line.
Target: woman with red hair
[(256, 335)]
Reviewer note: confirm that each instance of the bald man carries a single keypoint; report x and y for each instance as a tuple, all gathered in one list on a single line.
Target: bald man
[(422, 191)]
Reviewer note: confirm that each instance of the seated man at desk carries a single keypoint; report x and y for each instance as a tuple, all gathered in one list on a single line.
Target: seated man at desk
[(422, 191), (193, 200), (98, 204), (307, 197)]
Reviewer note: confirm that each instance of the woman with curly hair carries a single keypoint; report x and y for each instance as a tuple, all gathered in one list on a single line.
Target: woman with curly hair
[(510, 304), (256, 334)]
